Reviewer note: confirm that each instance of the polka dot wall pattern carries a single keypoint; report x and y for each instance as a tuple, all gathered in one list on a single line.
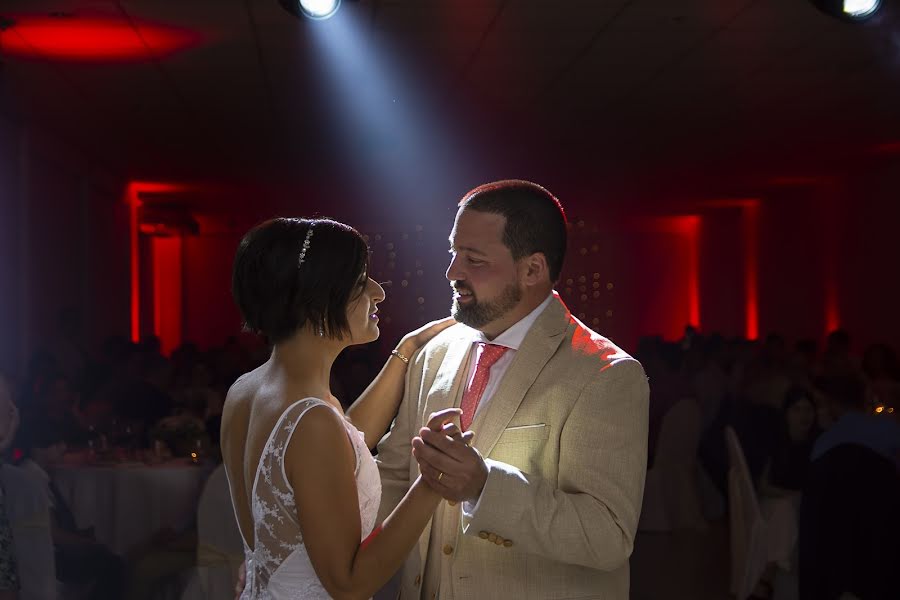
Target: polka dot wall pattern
[(400, 261)]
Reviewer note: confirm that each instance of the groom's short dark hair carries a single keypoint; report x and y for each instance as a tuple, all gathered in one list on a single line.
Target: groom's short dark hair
[(535, 220)]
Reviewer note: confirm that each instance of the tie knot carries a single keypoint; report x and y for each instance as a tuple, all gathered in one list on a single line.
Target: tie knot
[(490, 353)]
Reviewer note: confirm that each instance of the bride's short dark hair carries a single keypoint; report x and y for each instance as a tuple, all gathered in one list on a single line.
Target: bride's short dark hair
[(278, 295)]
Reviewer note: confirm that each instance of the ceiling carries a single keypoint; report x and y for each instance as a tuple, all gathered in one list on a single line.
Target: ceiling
[(625, 91)]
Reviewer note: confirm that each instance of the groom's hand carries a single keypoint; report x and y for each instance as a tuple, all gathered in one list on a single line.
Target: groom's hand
[(449, 465)]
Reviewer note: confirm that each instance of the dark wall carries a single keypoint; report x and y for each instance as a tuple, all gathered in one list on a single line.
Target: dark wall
[(10, 267), (64, 242), (64, 245)]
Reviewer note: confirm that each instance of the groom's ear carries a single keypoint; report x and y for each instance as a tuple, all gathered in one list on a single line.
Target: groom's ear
[(534, 269)]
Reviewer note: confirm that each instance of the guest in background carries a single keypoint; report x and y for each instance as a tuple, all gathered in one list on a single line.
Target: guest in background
[(136, 394), (55, 406), (853, 424), (197, 396), (805, 366), (9, 422), (79, 557), (767, 377), (882, 372), (837, 359), (66, 346), (149, 398), (785, 471)]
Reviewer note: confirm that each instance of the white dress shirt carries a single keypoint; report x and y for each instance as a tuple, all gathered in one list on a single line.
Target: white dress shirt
[(512, 338)]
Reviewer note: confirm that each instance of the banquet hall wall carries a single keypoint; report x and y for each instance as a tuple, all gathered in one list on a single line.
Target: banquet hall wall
[(63, 244), (64, 241)]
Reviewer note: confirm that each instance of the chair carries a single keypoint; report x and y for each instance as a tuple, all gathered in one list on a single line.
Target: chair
[(28, 510), (672, 492), (748, 528), (220, 549)]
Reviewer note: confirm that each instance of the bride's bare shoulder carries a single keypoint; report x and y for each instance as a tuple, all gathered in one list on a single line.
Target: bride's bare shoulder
[(243, 389), (239, 401)]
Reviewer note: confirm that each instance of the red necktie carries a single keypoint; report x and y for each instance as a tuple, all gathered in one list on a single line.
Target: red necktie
[(490, 353)]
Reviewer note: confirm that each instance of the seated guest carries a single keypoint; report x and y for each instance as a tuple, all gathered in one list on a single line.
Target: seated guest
[(852, 424), (785, 471), (54, 406), (80, 558)]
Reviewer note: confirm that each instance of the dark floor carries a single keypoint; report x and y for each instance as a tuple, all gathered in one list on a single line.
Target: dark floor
[(691, 566), (681, 565)]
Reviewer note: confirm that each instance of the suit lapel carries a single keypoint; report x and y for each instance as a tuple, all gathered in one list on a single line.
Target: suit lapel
[(444, 393), (537, 348)]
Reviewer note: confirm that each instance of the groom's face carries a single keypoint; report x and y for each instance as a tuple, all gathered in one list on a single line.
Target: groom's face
[(482, 272)]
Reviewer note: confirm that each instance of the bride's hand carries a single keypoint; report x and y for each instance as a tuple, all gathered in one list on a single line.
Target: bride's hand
[(440, 422), (414, 340)]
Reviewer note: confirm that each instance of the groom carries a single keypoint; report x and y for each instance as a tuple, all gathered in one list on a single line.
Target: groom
[(546, 501)]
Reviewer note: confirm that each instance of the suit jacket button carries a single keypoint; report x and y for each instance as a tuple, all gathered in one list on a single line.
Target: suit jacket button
[(492, 537), (499, 541), (418, 580), (483, 535), (507, 543), (448, 549), (451, 502)]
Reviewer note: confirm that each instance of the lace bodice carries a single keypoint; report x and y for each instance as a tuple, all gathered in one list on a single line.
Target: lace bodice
[(278, 567)]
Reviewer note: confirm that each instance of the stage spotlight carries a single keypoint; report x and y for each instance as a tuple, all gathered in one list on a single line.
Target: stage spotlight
[(849, 10), (311, 9)]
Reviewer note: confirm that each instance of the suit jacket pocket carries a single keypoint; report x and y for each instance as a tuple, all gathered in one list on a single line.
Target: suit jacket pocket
[(524, 433)]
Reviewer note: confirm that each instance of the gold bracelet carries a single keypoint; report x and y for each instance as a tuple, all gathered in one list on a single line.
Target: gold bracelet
[(397, 353)]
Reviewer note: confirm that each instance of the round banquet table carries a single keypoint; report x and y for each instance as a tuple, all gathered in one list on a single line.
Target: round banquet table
[(127, 503)]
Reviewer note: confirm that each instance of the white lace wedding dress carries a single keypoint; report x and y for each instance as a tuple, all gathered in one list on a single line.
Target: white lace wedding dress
[(278, 567)]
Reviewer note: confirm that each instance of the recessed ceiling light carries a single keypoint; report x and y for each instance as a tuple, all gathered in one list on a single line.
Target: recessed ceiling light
[(849, 10), (311, 9)]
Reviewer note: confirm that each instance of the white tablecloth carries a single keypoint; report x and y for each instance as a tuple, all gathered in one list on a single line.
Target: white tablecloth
[(126, 505)]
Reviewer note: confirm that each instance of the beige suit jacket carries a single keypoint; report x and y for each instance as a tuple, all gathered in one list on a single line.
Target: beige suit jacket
[(565, 441)]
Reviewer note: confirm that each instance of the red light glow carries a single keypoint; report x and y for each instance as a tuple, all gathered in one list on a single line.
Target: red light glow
[(750, 231), (687, 229), (167, 258), (832, 308), (887, 148), (133, 197), (94, 38), (750, 220)]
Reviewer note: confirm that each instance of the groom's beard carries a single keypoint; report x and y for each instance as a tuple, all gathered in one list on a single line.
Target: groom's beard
[(478, 314)]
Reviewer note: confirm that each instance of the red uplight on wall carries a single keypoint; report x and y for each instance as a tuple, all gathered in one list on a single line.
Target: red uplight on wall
[(690, 226), (95, 37), (750, 231), (686, 230), (167, 291), (133, 197)]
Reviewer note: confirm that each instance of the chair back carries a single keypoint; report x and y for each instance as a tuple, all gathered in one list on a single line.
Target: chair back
[(749, 550), (679, 434), (676, 470)]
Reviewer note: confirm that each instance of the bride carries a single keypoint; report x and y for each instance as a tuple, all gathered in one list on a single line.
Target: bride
[(303, 482)]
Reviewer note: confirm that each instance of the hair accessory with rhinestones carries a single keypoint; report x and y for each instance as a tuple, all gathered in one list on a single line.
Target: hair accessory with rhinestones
[(305, 245)]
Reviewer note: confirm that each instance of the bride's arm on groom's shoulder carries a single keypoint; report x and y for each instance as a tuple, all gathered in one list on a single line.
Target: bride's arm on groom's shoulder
[(376, 406), (320, 464)]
